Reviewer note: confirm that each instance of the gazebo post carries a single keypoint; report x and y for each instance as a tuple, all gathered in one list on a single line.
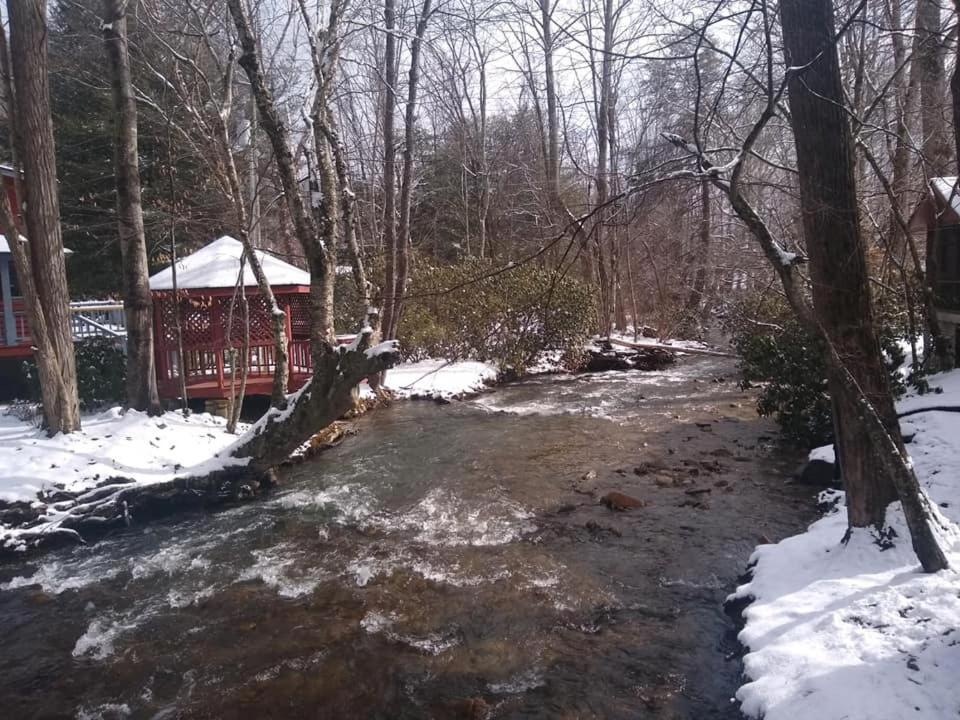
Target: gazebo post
[(159, 346), (219, 343), (288, 330)]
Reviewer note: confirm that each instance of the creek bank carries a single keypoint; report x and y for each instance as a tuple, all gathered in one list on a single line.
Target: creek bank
[(833, 628), (126, 467)]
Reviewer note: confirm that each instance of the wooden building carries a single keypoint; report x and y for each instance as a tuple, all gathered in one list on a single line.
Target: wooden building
[(937, 218), (15, 340), (205, 287), (14, 328)]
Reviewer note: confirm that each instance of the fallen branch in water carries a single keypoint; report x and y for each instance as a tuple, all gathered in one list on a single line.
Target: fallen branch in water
[(671, 348)]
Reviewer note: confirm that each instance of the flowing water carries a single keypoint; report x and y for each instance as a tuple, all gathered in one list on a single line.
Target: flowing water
[(445, 562)]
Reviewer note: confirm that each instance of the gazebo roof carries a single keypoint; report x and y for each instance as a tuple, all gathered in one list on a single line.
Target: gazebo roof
[(941, 206), (216, 266)]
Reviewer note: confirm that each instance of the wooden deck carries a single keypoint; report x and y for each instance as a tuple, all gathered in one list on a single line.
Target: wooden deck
[(87, 320)]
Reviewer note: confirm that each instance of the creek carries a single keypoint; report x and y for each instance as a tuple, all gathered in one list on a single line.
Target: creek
[(444, 562)]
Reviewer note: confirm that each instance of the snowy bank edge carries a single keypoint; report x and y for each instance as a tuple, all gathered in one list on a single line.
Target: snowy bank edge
[(809, 653)]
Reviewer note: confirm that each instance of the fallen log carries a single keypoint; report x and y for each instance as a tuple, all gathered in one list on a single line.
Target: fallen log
[(670, 348)]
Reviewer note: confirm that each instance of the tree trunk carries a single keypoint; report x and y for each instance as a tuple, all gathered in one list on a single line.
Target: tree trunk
[(406, 180), (928, 53), (552, 158), (955, 94), (389, 168), (278, 318), (841, 293), (137, 302), (337, 208), (693, 308), (33, 140)]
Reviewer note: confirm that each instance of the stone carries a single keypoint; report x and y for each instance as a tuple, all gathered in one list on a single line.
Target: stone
[(620, 502), (469, 709), (817, 473), (596, 528)]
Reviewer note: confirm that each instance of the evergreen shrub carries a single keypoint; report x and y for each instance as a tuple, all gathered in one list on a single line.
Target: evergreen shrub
[(480, 310), (101, 374), (789, 366)]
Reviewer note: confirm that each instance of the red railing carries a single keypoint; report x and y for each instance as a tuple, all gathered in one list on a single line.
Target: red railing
[(21, 325), (210, 373)]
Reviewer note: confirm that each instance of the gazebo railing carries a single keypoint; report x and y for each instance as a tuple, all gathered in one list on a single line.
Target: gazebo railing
[(210, 372)]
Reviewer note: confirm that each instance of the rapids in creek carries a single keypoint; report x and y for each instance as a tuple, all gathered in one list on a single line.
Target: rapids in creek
[(444, 562)]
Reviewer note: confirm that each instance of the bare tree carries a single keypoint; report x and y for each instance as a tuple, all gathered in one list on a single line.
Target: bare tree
[(406, 177), (390, 242), (188, 79), (336, 371), (137, 301)]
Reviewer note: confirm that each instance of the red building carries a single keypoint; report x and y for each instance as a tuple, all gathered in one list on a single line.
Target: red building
[(205, 285), (14, 330)]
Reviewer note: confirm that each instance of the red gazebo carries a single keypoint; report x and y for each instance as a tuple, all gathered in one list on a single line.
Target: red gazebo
[(205, 286)]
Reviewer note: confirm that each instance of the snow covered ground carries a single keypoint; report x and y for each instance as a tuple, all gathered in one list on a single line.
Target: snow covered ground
[(438, 379), (112, 444), (850, 631)]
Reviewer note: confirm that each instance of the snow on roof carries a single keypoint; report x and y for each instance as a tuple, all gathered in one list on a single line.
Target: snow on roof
[(946, 187), (216, 266), (5, 246)]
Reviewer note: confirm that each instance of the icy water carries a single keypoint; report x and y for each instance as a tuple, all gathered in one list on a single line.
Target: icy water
[(444, 562)]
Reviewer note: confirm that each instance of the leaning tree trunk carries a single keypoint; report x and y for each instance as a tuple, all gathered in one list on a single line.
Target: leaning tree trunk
[(35, 148), (137, 302), (336, 371), (863, 404)]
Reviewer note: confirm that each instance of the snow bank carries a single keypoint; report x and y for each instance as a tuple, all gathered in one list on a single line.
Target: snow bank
[(127, 446), (438, 379), (130, 445), (641, 340), (849, 631)]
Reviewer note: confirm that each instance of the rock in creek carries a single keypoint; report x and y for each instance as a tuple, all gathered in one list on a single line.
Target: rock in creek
[(606, 358), (818, 473), (619, 501)]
